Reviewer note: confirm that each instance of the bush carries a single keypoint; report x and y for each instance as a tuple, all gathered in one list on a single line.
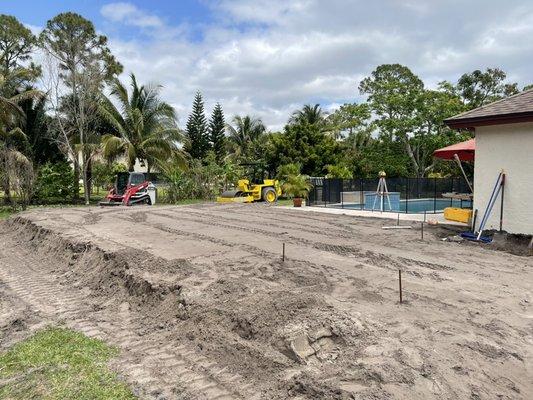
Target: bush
[(201, 180), (297, 186), (286, 170), (55, 183), (339, 171)]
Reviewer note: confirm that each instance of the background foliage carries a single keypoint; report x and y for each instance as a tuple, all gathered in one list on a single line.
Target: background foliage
[(87, 125)]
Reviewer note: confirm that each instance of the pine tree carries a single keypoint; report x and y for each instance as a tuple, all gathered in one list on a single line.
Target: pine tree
[(217, 138), (196, 130)]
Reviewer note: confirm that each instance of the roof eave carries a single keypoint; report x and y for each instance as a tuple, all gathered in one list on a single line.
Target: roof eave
[(470, 123)]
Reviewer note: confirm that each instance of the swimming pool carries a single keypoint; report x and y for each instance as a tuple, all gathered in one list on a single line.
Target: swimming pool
[(414, 206)]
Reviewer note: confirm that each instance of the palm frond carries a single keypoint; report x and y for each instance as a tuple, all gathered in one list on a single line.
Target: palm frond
[(113, 146)]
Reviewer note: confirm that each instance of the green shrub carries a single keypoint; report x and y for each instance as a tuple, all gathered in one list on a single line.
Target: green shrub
[(286, 170), (55, 182), (297, 186), (339, 171), (203, 179)]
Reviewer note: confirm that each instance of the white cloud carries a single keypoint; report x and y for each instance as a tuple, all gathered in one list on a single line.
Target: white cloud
[(269, 57), (130, 15)]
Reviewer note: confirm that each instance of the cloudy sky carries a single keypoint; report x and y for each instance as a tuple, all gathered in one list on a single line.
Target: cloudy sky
[(269, 57)]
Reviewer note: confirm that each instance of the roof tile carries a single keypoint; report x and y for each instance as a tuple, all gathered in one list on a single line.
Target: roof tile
[(518, 103)]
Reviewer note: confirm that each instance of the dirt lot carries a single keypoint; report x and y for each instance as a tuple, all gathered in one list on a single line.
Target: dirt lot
[(202, 306)]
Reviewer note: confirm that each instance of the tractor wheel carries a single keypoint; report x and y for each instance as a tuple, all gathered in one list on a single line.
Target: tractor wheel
[(269, 195)]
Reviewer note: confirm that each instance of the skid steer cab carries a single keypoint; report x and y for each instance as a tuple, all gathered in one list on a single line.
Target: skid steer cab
[(131, 188), (254, 188)]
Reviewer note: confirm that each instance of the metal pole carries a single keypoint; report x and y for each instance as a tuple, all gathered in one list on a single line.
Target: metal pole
[(361, 196), (501, 204), (398, 221), (474, 220), (434, 195), (400, 284), (326, 194), (422, 230), (342, 193), (381, 207), (283, 256), (407, 195)]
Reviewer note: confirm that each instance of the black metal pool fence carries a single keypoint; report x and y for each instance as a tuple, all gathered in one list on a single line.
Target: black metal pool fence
[(407, 195)]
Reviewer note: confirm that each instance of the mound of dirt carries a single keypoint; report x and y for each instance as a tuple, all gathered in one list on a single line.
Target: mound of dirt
[(17, 319)]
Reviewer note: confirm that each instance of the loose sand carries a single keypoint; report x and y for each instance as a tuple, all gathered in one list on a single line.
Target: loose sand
[(203, 307)]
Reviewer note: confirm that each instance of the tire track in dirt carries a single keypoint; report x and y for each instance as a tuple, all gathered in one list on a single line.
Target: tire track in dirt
[(281, 222), (281, 225), (159, 372), (336, 277), (366, 256)]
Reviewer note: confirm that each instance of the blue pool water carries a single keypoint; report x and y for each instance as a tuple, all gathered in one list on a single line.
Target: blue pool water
[(418, 205)]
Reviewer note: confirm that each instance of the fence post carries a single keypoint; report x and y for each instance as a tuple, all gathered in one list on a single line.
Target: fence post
[(407, 195), (342, 193), (435, 196), (325, 192), (451, 199), (361, 197)]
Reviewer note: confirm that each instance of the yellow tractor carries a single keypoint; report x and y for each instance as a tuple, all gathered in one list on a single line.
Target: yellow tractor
[(255, 189)]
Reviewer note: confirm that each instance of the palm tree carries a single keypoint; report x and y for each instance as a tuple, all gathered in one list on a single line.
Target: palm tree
[(11, 113), (145, 127), (247, 129), (12, 143), (308, 114), (12, 118)]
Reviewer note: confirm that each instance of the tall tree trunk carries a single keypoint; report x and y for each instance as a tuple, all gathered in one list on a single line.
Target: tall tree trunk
[(76, 194), (412, 156), (90, 174), (7, 192), (86, 189), (5, 181), (86, 184), (7, 189)]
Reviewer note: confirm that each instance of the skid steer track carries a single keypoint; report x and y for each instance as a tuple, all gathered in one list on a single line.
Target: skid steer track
[(155, 371)]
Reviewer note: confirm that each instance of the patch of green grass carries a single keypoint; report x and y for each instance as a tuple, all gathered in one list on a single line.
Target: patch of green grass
[(58, 363), (284, 202), (4, 213)]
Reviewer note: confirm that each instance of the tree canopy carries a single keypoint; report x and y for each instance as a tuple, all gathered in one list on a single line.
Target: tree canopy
[(145, 127), (197, 134), (89, 118), (217, 137)]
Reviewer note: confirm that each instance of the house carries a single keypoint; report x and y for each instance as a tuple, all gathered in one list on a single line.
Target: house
[(504, 141)]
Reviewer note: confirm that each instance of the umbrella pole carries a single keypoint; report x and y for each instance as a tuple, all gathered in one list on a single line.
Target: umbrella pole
[(456, 157)]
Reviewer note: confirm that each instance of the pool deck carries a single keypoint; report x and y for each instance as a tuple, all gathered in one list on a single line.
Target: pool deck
[(377, 214)]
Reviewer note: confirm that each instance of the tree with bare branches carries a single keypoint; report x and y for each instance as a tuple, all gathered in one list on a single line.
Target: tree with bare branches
[(80, 64)]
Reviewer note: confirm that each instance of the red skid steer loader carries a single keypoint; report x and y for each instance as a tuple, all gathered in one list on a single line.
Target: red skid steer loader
[(130, 188)]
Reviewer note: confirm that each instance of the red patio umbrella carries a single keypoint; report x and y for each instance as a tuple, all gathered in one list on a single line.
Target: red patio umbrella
[(464, 150)]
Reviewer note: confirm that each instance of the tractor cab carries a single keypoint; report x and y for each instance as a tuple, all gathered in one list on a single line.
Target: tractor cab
[(131, 188), (125, 180)]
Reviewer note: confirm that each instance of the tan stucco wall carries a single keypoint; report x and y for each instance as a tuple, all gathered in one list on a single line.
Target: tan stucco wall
[(136, 168), (508, 147)]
